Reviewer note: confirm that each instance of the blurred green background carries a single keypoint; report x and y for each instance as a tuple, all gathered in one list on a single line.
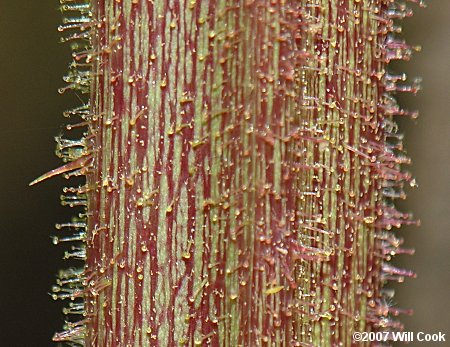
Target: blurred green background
[(32, 63)]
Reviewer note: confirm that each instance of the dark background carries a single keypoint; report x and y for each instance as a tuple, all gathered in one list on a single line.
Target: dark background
[(32, 63)]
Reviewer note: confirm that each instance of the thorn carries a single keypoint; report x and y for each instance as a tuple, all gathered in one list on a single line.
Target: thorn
[(60, 170)]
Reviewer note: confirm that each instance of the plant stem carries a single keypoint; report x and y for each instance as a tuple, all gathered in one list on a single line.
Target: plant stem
[(240, 172)]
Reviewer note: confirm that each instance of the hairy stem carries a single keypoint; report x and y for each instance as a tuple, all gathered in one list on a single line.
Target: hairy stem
[(241, 163)]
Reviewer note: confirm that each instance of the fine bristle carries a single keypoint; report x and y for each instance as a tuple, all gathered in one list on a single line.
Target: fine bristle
[(73, 283)]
